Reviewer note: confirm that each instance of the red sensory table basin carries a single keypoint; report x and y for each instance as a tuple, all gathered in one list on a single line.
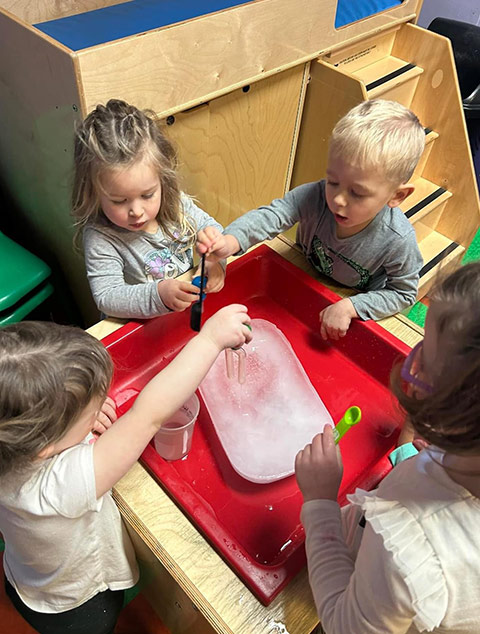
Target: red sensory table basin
[(256, 527)]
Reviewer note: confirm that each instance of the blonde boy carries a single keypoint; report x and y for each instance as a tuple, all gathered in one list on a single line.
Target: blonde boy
[(350, 227)]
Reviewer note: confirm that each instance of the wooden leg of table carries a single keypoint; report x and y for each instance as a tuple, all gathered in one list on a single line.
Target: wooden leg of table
[(166, 597)]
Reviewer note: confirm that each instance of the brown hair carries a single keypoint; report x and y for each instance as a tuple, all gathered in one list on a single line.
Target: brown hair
[(119, 135), (48, 376), (449, 417)]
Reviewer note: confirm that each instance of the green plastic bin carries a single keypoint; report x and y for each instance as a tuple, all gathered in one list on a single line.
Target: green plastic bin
[(24, 281)]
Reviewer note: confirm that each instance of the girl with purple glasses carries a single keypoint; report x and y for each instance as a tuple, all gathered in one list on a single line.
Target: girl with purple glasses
[(415, 566)]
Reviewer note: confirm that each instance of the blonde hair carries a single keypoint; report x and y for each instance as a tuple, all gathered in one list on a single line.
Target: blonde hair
[(48, 376), (380, 134), (119, 135)]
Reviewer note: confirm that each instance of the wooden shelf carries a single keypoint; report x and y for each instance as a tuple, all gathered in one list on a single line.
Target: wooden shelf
[(414, 67), (426, 197), (430, 137), (387, 75), (437, 252)]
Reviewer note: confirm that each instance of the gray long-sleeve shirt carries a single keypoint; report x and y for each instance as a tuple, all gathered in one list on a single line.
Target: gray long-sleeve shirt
[(382, 260), (124, 267)]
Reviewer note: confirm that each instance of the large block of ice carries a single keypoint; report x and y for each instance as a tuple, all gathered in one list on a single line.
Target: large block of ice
[(264, 422)]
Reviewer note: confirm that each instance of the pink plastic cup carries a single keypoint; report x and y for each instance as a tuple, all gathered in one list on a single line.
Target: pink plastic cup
[(174, 438)]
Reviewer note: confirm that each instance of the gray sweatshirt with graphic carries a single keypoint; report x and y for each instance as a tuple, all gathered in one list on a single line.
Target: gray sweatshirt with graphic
[(124, 267), (383, 260)]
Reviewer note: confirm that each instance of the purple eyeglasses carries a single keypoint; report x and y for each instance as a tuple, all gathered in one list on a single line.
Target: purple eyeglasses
[(411, 368)]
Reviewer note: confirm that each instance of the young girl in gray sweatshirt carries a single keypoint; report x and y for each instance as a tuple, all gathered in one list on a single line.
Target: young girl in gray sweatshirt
[(138, 227)]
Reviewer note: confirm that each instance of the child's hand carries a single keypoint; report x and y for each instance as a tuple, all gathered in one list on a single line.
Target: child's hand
[(177, 295), (420, 444), (335, 319), (215, 245), (105, 417), (319, 469), (209, 240), (227, 327), (216, 277)]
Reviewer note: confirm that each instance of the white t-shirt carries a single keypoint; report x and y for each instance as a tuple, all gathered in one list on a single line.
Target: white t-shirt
[(62, 545), (418, 564)]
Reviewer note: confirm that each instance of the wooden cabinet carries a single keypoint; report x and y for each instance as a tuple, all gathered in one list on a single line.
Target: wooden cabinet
[(236, 151), (237, 105), (234, 81), (416, 68)]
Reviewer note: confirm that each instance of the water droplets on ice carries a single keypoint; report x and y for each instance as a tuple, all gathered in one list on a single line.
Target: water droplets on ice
[(264, 422)]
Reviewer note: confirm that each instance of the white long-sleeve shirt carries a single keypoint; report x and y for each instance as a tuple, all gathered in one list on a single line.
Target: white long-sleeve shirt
[(418, 564)]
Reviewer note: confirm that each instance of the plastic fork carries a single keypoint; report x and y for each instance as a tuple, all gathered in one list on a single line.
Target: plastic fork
[(241, 355)]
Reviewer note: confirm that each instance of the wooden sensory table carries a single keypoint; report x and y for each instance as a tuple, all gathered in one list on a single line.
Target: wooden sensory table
[(250, 95), (187, 582)]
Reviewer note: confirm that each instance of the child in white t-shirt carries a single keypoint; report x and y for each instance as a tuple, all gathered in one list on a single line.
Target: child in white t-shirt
[(68, 557)]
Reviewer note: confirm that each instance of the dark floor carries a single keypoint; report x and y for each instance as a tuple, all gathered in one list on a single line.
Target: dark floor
[(137, 617)]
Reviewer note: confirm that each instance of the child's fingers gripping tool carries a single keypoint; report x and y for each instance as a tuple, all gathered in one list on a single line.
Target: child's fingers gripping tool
[(352, 416), (197, 280)]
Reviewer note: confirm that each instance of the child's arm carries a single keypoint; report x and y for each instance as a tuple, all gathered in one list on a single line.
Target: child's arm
[(368, 595), (215, 268), (263, 223), (121, 445), (215, 275), (402, 267), (216, 245), (335, 319)]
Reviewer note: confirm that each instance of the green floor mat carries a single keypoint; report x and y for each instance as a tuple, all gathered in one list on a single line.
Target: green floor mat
[(472, 254), (417, 314), (418, 311), (130, 594)]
